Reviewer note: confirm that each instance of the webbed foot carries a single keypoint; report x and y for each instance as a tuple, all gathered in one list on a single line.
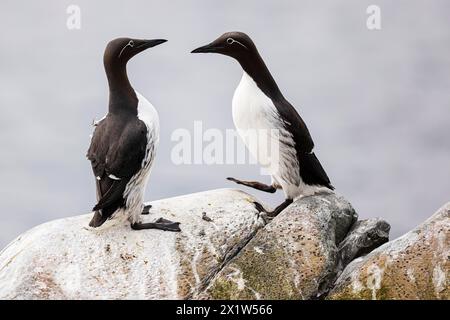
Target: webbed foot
[(161, 224)]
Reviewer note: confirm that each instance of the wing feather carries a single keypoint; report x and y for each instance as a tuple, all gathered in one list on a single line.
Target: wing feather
[(311, 170), (120, 159)]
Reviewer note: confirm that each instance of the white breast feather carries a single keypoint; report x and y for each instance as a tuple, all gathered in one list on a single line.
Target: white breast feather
[(135, 189), (252, 109)]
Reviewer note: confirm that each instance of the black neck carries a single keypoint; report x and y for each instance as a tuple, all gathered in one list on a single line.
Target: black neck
[(121, 94), (255, 67)]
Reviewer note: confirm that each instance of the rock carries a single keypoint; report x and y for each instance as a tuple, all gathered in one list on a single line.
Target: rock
[(314, 249), (414, 266), (65, 259), (363, 237), (292, 257)]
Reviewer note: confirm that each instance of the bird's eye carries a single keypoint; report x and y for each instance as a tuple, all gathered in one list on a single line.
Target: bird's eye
[(230, 40), (131, 43)]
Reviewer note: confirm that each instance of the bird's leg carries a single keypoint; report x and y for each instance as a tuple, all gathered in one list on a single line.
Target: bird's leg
[(146, 209), (280, 208), (259, 207), (255, 184), (272, 214), (161, 224)]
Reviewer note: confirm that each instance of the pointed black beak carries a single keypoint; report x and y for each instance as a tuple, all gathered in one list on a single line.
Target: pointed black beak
[(208, 48), (150, 43)]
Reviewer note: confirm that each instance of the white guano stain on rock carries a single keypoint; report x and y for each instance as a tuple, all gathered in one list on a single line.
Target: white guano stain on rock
[(294, 256), (259, 250), (439, 279), (410, 274), (374, 278), (65, 259), (236, 276)]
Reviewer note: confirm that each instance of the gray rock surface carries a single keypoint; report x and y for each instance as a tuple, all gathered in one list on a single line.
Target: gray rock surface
[(363, 237), (292, 257), (314, 249), (65, 259), (414, 266)]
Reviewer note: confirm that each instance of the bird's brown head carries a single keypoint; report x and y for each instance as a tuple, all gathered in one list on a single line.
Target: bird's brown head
[(235, 44), (119, 51)]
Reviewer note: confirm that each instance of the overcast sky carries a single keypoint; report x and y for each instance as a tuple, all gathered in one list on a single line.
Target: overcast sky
[(377, 103)]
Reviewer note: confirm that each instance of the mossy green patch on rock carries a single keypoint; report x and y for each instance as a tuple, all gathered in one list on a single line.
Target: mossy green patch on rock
[(256, 275), (228, 290), (290, 257)]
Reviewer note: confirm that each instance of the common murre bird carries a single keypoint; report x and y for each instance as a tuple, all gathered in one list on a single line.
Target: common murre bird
[(124, 142), (258, 104)]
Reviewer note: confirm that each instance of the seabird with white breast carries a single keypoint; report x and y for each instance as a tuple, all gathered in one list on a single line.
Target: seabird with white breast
[(124, 143), (258, 105)]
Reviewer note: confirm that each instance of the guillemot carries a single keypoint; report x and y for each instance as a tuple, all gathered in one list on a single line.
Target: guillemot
[(124, 142), (259, 105)]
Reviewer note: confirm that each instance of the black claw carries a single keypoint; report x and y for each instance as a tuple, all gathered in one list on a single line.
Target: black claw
[(146, 209), (174, 226), (266, 218), (259, 207), (205, 217), (234, 180), (162, 220)]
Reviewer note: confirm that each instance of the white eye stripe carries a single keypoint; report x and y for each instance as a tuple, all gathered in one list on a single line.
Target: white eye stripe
[(129, 44), (231, 41)]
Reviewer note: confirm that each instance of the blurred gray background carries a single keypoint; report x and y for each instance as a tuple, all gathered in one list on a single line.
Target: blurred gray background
[(376, 102)]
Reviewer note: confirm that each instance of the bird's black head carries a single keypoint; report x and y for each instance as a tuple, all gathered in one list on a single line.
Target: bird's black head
[(119, 51), (237, 45)]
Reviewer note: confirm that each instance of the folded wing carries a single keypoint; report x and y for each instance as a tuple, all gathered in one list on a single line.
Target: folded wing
[(114, 163)]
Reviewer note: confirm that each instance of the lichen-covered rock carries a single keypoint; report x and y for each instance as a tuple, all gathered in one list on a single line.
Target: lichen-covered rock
[(225, 251), (65, 259), (292, 257), (414, 266), (363, 237)]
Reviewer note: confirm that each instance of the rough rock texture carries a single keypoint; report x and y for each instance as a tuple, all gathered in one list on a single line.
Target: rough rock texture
[(65, 259), (414, 266), (314, 249), (292, 257), (363, 237)]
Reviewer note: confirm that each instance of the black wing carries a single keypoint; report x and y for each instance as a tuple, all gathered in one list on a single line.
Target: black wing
[(116, 153), (311, 170)]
